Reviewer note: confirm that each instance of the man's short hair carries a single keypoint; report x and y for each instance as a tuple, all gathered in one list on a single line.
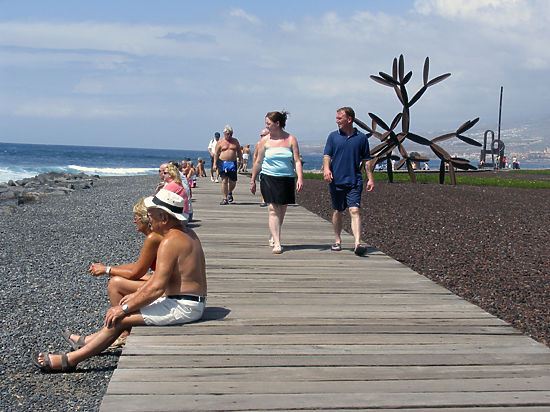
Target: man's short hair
[(228, 129), (348, 111), (216, 134)]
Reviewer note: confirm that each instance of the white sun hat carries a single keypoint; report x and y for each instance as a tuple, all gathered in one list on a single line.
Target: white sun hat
[(168, 201)]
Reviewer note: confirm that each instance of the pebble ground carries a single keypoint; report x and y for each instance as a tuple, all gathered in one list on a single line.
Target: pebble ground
[(46, 248)]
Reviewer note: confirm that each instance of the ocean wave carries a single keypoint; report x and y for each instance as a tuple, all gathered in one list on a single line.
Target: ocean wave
[(8, 173), (112, 171)]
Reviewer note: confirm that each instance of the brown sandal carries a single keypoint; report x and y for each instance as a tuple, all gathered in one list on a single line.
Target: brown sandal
[(46, 365), (75, 345)]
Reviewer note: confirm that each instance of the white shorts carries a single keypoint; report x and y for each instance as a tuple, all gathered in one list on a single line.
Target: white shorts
[(166, 311)]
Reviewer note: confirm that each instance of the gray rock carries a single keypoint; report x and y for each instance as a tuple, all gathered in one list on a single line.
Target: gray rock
[(27, 197), (51, 183), (7, 209)]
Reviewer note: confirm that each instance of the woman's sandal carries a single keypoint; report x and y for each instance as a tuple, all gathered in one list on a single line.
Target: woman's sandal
[(118, 343), (75, 345), (46, 365), (277, 249)]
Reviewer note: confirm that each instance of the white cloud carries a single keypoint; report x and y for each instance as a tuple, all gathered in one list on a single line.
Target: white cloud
[(67, 108), (326, 87), (497, 13), (129, 85), (288, 26), (241, 14), (137, 40)]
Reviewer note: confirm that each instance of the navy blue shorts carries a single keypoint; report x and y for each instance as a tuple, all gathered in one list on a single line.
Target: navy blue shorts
[(228, 169), (345, 196)]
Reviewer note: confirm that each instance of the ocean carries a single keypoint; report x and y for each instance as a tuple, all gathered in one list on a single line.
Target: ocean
[(18, 161)]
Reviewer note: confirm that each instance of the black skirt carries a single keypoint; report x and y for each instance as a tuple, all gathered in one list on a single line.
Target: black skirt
[(278, 190)]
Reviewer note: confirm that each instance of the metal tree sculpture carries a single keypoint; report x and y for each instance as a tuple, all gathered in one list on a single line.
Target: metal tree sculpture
[(391, 140)]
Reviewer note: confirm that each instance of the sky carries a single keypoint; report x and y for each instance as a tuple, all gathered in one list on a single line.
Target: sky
[(169, 73)]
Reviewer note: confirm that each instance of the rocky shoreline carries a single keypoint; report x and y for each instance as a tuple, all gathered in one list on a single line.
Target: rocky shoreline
[(15, 193)]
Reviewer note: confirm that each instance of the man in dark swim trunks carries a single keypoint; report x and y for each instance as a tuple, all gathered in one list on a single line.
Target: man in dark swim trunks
[(228, 152)]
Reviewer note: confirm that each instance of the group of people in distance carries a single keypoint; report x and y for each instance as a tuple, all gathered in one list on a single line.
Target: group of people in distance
[(176, 291)]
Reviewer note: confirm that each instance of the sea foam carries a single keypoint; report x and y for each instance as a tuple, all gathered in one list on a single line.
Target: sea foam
[(112, 171)]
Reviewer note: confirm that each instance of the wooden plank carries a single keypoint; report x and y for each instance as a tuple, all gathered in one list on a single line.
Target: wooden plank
[(266, 402), (321, 349), (339, 339), (168, 387), (374, 325), (268, 360), (253, 329), (333, 374)]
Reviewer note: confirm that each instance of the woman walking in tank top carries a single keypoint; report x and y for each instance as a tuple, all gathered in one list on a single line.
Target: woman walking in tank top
[(281, 173)]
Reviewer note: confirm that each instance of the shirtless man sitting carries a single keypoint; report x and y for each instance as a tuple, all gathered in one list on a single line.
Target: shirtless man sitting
[(174, 294), (228, 151)]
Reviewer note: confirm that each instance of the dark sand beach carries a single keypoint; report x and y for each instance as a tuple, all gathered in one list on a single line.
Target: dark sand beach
[(488, 245)]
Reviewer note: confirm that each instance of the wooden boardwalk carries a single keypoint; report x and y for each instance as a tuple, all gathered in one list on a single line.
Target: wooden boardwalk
[(313, 329)]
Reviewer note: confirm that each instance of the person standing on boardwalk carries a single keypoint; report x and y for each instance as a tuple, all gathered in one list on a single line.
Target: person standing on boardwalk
[(174, 294), (212, 151), (228, 152), (346, 154), (279, 160), (246, 156)]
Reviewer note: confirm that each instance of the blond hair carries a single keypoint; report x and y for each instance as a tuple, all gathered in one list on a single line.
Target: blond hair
[(141, 211), (174, 172)]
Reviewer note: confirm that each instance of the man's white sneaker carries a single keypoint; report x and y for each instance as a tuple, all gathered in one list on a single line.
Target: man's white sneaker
[(211, 178), (216, 180)]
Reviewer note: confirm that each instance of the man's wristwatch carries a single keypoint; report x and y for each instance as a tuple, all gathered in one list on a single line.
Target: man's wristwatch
[(124, 308)]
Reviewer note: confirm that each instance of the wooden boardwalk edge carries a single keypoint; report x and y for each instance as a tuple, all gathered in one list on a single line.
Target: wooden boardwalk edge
[(313, 329)]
